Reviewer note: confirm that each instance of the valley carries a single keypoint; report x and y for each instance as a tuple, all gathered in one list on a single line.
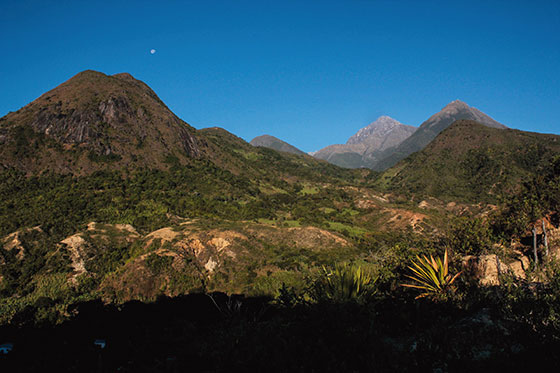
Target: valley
[(113, 208)]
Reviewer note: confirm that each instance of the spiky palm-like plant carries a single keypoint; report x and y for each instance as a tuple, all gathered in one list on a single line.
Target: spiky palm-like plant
[(431, 276), (344, 283)]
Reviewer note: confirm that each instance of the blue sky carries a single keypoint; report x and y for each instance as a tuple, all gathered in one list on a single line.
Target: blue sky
[(309, 72)]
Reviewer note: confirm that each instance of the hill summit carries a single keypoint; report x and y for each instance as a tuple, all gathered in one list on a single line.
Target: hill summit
[(95, 119), (472, 162), (455, 110)]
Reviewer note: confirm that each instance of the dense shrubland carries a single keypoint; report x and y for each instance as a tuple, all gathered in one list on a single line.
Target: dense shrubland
[(355, 309)]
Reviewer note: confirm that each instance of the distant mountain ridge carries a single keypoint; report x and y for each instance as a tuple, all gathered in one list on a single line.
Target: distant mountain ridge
[(363, 148), (430, 128), (272, 142), (385, 142)]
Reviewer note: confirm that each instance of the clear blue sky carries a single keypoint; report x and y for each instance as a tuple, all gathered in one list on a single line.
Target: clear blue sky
[(309, 72)]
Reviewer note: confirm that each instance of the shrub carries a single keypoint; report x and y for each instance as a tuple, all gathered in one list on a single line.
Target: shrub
[(343, 283), (432, 277), (470, 236)]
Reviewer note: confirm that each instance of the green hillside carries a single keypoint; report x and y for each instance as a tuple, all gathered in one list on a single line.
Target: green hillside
[(471, 162)]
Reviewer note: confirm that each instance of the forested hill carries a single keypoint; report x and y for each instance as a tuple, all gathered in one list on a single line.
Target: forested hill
[(454, 111), (94, 121), (472, 162)]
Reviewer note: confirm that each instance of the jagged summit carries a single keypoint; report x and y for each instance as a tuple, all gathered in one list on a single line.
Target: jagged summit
[(363, 148), (457, 103), (380, 128)]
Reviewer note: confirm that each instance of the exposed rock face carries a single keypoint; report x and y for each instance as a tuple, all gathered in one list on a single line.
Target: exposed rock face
[(488, 268), (76, 244), (82, 246), (382, 134), (13, 242), (94, 115), (364, 148), (183, 258)]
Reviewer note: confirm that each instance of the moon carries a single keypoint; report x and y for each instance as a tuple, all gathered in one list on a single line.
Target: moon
[(152, 51)]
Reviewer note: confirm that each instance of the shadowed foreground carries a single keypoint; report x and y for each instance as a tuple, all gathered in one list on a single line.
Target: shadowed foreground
[(215, 333)]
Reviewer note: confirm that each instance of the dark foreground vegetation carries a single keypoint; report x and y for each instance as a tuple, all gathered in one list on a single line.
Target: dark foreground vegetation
[(511, 327)]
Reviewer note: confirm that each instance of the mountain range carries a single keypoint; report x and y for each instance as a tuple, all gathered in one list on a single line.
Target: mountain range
[(95, 122), (122, 225), (386, 141)]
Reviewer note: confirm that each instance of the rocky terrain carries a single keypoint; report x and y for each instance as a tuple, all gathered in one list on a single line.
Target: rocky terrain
[(364, 147)]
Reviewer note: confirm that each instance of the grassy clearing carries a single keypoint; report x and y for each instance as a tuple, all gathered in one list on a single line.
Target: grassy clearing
[(350, 212), (271, 189), (344, 228), (307, 189)]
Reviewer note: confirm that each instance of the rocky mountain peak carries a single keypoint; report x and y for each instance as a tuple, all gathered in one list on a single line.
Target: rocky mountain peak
[(456, 104), (363, 148), (381, 127)]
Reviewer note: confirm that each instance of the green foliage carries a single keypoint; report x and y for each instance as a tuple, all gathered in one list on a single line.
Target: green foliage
[(432, 277), (535, 305), (26, 141), (538, 197), (158, 263), (470, 236), (103, 158), (32, 257), (289, 297), (471, 163), (343, 283)]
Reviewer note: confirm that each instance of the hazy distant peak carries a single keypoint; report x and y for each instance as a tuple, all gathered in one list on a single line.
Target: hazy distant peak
[(380, 128), (362, 149), (272, 142)]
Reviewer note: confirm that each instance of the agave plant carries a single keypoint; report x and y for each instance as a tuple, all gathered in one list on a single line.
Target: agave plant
[(431, 276), (344, 283)]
